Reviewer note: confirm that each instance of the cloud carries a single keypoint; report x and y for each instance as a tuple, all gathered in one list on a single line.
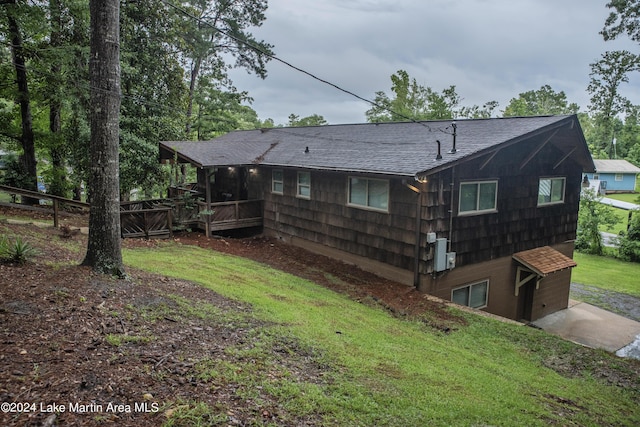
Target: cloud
[(488, 49)]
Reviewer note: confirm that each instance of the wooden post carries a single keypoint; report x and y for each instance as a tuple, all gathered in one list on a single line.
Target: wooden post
[(207, 224), (56, 212)]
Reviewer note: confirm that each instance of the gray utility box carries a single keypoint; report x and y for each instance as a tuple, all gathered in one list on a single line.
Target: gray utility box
[(443, 260)]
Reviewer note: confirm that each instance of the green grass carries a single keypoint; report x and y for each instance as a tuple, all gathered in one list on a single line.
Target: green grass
[(623, 215), (5, 197), (623, 221), (607, 273), (382, 370)]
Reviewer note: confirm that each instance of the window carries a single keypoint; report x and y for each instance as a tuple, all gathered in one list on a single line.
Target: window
[(619, 177), (550, 190), (478, 196), (474, 295), (277, 181), (304, 185), (370, 193)]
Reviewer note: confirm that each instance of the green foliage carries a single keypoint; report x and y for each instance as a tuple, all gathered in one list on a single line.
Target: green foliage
[(312, 120), (18, 252), (219, 35), (218, 112), (15, 174), (139, 166), (592, 216), (624, 18), (607, 101), (541, 102), (629, 242), (416, 102)]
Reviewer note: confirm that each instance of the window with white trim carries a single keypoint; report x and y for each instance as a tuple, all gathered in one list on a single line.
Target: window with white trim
[(478, 197), (369, 193), (551, 190), (474, 295), (619, 177), (277, 181), (304, 185)]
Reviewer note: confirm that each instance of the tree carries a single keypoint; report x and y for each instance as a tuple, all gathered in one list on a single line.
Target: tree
[(607, 103), (219, 112), (624, 18), (27, 138), (412, 101), (103, 248), (541, 102), (592, 216), (629, 248), (219, 31), (312, 120)]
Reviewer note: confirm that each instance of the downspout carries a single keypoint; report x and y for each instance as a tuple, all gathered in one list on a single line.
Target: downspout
[(416, 255), (452, 185), (416, 263), (207, 224)]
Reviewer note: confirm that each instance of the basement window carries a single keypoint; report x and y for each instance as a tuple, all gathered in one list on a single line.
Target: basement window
[(277, 181), (550, 191), (474, 295), (478, 197), (369, 193)]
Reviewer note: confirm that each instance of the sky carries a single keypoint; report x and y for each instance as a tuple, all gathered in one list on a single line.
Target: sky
[(491, 50)]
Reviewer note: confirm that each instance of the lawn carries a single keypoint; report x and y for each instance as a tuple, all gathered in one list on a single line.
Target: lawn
[(384, 370), (607, 273)]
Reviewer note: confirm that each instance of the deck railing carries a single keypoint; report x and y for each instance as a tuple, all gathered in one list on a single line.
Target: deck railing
[(231, 215), (159, 217), (146, 218)]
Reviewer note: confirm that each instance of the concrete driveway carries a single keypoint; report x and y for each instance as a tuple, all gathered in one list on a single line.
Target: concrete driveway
[(594, 327)]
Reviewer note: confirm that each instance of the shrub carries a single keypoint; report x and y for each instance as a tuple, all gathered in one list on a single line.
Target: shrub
[(629, 248), (19, 252), (4, 247)]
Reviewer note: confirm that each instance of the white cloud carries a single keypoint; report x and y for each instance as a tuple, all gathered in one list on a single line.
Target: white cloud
[(488, 49)]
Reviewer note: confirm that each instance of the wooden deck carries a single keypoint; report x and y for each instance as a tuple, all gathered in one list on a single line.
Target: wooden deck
[(158, 218), (231, 215)]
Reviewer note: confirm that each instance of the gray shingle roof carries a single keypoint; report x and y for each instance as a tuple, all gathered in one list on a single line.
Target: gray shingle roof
[(405, 149), (615, 166)]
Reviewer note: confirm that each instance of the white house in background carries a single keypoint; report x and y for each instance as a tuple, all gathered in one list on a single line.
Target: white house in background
[(614, 176)]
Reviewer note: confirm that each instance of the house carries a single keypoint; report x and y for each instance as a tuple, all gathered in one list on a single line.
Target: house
[(614, 176), (480, 212)]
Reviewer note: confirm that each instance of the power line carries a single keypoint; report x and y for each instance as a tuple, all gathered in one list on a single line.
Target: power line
[(270, 55)]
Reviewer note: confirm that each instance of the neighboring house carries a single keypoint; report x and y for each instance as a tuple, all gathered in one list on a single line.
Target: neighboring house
[(614, 176), (479, 212)]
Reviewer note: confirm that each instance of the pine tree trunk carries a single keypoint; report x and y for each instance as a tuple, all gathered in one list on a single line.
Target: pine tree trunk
[(28, 157), (103, 249), (56, 149)]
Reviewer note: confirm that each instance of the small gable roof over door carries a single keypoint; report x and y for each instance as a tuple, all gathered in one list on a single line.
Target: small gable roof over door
[(544, 260)]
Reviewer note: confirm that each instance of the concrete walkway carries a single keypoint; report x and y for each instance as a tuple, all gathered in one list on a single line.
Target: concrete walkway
[(593, 327), (619, 204)]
